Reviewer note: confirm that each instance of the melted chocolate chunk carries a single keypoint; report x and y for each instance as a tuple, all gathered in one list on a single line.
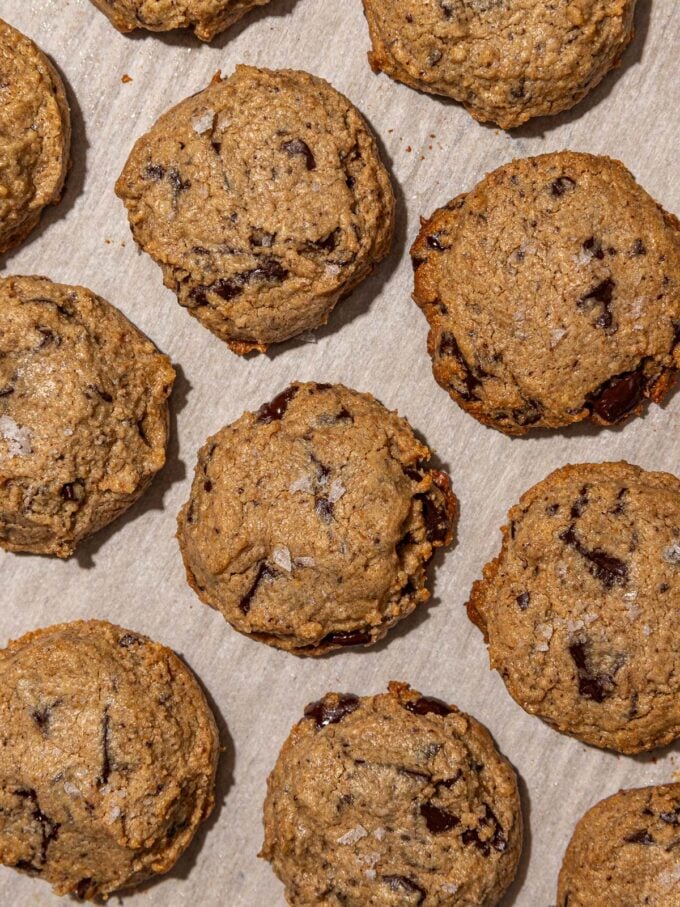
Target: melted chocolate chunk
[(434, 242), (608, 569), (328, 243), (297, 146), (639, 248), (268, 269), (523, 600), (324, 510), (154, 172), (639, 837), (208, 486), (438, 820), (401, 883), (49, 829), (68, 491), (84, 889), (603, 293), (591, 684), (427, 705), (448, 346), (580, 504), (348, 638), (594, 248), (436, 518), (127, 640), (559, 186), (497, 841), (276, 408), (176, 181), (671, 818), (42, 717), (324, 712), (264, 572), (618, 396), (105, 772)]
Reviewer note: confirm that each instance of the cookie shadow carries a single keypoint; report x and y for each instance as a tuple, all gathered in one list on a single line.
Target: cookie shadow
[(184, 37), (514, 891), (174, 471), (360, 300), (75, 177)]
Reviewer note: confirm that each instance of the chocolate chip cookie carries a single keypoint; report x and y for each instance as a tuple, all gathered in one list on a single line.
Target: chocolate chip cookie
[(624, 852), (264, 201), (311, 521), (83, 414), (552, 291), (206, 17), (108, 757), (395, 799), (35, 135), (505, 60), (580, 608)]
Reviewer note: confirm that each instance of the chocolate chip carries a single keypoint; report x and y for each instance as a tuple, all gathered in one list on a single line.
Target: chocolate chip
[(105, 772), (618, 396), (68, 491), (6, 391), (437, 523), (324, 509), (552, 509), (448, 346), (427, 705), (438, 820), (269, 269), (559, 186), (127, 640), (49, 829), (297, 146), (593, 247), (591, 684), (518, 91), (324, 712), (350, 182), (328, 243), (154, 172), (498, 840), (176, 181), (603, 293), (610, 570), (523, 600), (529, 416), (42, 717), (344, 415), (401, 883), (671, 818), (84, 889), (639, 837), (580, 504), (264, 572), (434, 242), (348, 638), (48, 336), (639, 248), (276, 408), (208, 486)]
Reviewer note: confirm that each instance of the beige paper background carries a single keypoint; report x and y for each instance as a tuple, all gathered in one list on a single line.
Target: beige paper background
[(132, 574)]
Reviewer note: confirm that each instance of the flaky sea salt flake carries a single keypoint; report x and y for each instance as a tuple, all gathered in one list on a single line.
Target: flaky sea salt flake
[(353, 835)]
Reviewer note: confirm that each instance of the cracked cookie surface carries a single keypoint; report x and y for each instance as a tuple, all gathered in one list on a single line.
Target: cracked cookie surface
[(206, 17), (35, 135), (552, 291), (311, 521), (394, 799), (83, 414), (505, 60), (108, 757), (580, 608), (624, 852), (264, 200)]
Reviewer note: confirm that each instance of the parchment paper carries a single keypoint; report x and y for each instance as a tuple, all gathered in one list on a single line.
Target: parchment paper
[(131, 573)]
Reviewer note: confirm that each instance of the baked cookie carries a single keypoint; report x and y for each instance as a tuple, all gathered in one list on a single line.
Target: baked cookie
[(624, 852), (206, 17), (505, 60), (108, 757), (83, 414), (264, 201), (395, 799), (552, 291), (579, 609), (311, 522), (35, 135)]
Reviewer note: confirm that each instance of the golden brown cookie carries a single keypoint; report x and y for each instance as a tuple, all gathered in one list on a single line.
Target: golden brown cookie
[(83, 414), (311, 521), (264, 200), (108, 757), (552, 291), (35, 135), (580, 608), (624, 852), (206, 17), (505, 60), (391, 800)]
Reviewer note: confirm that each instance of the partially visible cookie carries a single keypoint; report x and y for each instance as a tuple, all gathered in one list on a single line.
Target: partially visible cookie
[(552, 291), (35, 135), (505, 60), (108, 757), (206, 17), (393, 800), (264, 200), (83, 414), (311, 521), (580, 608), (624, 852)]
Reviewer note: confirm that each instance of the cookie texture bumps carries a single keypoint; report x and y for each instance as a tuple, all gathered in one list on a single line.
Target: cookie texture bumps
[(311, 521), (83, 414), (35, 135), (264, 201), (108, 757), (505, 60), (552, 291), (624, 852), (580, 608), (395, 799), (206, 17)]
